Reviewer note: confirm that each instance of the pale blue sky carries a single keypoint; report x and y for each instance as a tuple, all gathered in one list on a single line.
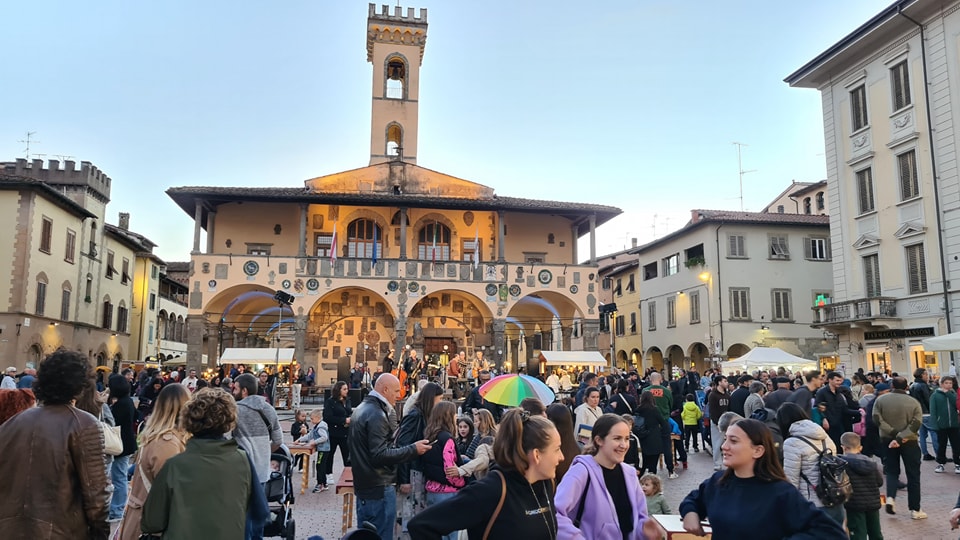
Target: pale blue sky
[(632, 104)]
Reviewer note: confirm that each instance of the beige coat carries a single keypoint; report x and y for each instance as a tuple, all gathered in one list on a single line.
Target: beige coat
[(151, 458)]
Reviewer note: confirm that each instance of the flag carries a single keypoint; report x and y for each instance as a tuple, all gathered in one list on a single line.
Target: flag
[(434, 250), (333, 245), (374, 244), (476, 248)]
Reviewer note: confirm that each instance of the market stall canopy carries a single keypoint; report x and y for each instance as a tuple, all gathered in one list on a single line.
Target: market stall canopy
[(239, 355), (178, 361), (948, 342), (573, 358), (769, 357)]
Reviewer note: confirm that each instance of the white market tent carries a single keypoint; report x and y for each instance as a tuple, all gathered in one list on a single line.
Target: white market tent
[(948, 342), (241, 355), (768, 357), (573, 358)]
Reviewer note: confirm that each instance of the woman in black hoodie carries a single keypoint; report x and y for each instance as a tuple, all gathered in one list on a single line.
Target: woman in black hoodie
[(124, 415), (515, 500)]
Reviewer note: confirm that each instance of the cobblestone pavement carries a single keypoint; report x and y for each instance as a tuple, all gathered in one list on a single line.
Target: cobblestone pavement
[(321, 513)]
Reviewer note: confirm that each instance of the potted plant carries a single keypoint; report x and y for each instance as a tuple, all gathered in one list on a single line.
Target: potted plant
[(693, 262)]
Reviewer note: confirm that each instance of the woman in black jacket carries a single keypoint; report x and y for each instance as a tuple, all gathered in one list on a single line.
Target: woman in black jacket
[(650, 432), (336, 413), (124, 415), (412, 496)]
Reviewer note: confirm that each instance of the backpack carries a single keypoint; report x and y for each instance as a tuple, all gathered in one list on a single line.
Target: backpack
[(834, 488), (640, 428)]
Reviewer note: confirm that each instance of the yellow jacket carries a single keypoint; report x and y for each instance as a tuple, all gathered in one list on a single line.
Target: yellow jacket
[(691, 413)]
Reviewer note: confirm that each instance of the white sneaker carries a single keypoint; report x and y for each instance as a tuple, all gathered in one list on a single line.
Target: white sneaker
[(891, 506), (939, 469), (674, 475), (918, 514)]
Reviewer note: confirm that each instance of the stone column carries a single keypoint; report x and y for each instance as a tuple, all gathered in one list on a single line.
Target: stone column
[(515, 354), (591, 327), (403, 240), (197, 217), (300, 337), (195, 330), (302, 242), (211, 222), (400, 327), (574, 240), (546, 340), (528, 352), (566, 333), (501, 233), (593, 239)]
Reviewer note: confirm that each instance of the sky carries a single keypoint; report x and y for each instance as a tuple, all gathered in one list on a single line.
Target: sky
[(634, 104)]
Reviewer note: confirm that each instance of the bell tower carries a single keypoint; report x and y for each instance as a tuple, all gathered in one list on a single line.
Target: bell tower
[(395, 44)]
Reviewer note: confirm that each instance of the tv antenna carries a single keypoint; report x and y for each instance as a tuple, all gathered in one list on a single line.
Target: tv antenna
[(740, 169), (27, 141)]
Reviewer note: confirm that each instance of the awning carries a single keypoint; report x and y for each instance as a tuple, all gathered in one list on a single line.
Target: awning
[(238, 355), (573, 358), (947, 342)]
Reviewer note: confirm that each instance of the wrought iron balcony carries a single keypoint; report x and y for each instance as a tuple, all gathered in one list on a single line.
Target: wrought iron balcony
[(864, 309)]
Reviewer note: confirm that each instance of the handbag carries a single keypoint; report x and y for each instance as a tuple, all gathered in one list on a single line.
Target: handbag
[(112, 442)]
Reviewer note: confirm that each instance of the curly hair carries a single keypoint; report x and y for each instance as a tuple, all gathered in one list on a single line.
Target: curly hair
[(211, 412), (61, 377), (14, 401)]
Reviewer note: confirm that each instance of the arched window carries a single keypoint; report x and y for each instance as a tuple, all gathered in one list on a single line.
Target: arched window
[(398, 218), (433, 242), (806, 206), (394, 140), (162, 327), (396, 78), (820, 202), (180, 332), (362, 234), (172, 328)]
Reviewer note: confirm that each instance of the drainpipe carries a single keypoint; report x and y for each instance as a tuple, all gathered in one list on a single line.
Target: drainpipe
[(933, 169), (719, 288)]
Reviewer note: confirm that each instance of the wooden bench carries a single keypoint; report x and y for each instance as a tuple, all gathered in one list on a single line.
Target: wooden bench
[(345, 488)]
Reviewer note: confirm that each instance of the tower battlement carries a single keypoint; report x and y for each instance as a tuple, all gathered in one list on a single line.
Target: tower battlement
[(87, 175), (398, 15)]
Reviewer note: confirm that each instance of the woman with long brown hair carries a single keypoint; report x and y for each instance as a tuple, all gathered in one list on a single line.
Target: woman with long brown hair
[(443, 454), (336, 413), (162, 438), (410, 479), (754, 490), (559, 414), (516, 499)]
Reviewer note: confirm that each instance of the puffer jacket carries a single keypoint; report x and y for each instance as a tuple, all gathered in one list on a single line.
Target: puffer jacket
[(691, 414), (865, 479), (61, 492), (800, 459), (943, 410)]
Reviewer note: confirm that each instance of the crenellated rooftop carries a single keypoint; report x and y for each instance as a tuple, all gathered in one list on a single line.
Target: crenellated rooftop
[(87, 175)]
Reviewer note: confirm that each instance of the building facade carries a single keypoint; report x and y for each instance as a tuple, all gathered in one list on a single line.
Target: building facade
[(889, 114), (390, 255), (731, 281), (71, 274)]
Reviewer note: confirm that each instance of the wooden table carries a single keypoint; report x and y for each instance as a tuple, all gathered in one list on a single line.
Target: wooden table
[(306, 451), (345, 487), (673, 524)]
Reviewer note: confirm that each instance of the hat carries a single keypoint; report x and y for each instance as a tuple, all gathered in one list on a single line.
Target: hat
[(10, 369), (782, 380), (881, 387)]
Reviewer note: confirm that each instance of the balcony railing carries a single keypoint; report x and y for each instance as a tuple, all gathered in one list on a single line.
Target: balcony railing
[(863, 309)]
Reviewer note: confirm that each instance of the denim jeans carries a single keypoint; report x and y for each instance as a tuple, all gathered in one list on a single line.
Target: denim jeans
[(118, 476), (716, 440), (927, 428), (254, 531), (437, 498), (381, 513), (909, 451)]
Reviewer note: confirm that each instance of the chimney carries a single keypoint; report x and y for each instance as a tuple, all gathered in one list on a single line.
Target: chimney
[(124, 221), (633, 242)]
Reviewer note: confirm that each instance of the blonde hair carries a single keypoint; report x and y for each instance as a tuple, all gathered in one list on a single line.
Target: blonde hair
[(166, 415), (654, 481), (486, 426)]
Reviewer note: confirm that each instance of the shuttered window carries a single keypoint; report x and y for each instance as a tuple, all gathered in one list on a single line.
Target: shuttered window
[(671, 312), (41, 297), (871, 275), (46, 235), (858, 107), (739, 304), (865, 190), (107, 315), (735, 246), (907, 167), (71, 246), (652, 316), (65, 305), (779, 248), (633, 323), (916, 269), (900, 82), (780, 304), (816, 249), (694, 307)]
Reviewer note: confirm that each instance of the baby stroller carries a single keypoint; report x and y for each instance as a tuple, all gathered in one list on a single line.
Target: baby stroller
[(280, 498)]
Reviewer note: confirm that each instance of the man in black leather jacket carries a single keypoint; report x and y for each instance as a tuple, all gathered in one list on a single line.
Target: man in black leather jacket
[(374, 459)]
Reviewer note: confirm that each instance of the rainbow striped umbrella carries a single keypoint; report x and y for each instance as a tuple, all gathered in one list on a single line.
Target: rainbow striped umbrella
[(511, 389)]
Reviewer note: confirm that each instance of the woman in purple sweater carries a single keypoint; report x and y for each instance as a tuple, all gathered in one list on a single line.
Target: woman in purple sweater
[(600, 497)]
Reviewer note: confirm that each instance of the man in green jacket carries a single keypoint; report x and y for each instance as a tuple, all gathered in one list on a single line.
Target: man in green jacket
[(943, 416), (664, 399)]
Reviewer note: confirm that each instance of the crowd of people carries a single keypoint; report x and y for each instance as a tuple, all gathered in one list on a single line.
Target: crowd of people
[(804, 453)]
